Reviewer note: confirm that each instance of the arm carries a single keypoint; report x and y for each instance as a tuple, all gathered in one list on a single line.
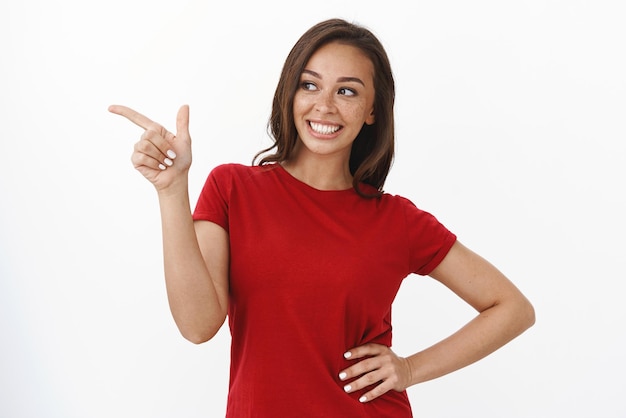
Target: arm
[(195, 256), (196, 269), (503, 314)]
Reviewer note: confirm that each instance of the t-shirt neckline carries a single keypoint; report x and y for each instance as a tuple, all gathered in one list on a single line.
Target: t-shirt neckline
[(304, 186)]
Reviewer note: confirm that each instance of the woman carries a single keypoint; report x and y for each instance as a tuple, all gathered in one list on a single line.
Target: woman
[(304, 252)]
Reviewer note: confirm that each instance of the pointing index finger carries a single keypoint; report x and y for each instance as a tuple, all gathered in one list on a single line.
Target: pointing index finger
[(135, 117)]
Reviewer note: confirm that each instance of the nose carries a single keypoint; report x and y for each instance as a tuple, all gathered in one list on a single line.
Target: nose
[(326, 102)]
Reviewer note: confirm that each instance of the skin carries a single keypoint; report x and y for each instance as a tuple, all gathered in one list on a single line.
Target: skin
[(503, 314), (195, 253), (336, 91)]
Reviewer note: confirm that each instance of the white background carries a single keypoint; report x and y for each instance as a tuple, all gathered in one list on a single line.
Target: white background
[(510, 127)]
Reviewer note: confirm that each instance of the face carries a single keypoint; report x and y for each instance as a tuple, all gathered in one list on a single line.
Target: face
[(334, 99)]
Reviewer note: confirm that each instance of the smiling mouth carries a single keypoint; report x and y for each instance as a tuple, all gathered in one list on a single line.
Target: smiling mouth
[(322, 129)]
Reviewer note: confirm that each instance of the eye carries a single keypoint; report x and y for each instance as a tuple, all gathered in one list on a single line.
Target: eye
[(307, 85), (346, 91)]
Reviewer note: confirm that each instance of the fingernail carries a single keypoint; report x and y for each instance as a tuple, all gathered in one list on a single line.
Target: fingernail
[(362, 399), (171, 154), (343, 375), (162, 167), (347, 355), (347, 388), (168, 162)]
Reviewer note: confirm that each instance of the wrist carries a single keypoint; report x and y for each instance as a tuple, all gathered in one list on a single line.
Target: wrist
[(178, 188)]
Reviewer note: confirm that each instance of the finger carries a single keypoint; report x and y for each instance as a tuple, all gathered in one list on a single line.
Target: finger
[(160, 143), (384, 378), (141, 161), (182, 122), (375, 377), (370, 349), (154, 146), (135, 117), (379, 390), (362, 368)]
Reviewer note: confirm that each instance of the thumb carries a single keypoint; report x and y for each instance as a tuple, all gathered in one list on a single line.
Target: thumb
[(182, 122)]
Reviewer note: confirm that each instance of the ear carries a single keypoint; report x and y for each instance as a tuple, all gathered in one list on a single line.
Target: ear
[(370, 119)]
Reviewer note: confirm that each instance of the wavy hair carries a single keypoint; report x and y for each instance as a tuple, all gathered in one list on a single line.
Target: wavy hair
[(372, 151)]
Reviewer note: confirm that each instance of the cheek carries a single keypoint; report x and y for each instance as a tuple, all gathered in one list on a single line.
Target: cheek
[(299, 110), (355, 113), (303, 99)]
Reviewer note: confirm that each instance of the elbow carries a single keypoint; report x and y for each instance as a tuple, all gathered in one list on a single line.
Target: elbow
[(526, 314), (531, 315), (199, 332), (197, 339), (518, 315), (199, 336), (199, 329)]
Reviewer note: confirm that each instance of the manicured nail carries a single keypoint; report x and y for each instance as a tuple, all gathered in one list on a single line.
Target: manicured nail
[(343, 375), (362, 399), (162, 167), (168, 162), (347, 388), (347, 355), (171, 154)]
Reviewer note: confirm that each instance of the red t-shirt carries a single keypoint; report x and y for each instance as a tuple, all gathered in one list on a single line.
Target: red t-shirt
[(312, 274)]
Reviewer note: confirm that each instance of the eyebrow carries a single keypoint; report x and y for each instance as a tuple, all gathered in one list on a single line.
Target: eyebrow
[(340, 79)]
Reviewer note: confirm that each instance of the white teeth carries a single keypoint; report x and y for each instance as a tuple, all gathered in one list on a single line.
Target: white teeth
[(324, 129)]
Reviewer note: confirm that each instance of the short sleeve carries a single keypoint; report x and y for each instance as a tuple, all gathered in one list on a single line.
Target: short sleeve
[(429, 240), (213, 201)]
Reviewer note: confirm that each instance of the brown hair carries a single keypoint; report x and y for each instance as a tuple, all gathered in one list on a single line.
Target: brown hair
[(372, 150)]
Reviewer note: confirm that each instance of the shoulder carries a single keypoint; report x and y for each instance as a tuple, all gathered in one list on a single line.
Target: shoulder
[(234, 171), (229, 169), (240, 170), (237, 176), (411, 212), (398, 201)]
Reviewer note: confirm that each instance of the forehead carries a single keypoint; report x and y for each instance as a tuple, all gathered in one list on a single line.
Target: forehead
[(341, 60)]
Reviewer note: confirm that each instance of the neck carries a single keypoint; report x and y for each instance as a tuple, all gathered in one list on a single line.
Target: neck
[(322, 172)]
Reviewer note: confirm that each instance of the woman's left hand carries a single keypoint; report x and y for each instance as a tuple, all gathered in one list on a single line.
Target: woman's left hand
[(379, 366)]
